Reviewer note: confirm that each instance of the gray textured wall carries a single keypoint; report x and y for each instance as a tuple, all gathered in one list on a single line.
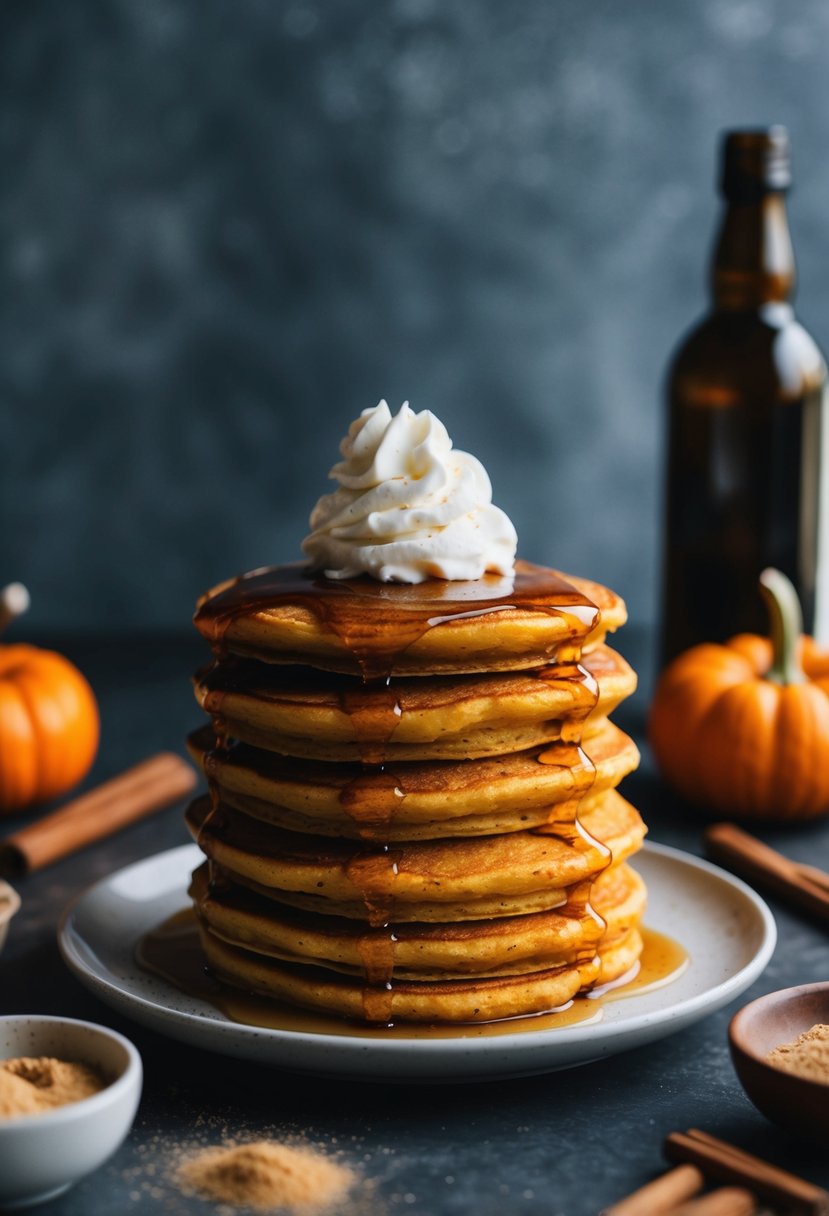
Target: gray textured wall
[(229, 225)]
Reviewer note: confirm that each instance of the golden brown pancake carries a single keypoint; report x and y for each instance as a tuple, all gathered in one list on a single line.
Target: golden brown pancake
[(457, 1000), (413, 801), (438, 627), (618, 896), (498, 946), (457, 879), (463, 717), (620, 958)]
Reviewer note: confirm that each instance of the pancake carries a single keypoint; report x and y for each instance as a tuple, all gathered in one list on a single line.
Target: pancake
[(411, 801), (618, 897), (428, 911), (621, 959), (464, 717), (457, 879), (457, 1000), (500, 946), (285, 615)]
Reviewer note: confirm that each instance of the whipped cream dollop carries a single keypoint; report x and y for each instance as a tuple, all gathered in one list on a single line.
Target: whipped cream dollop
[(408, 506)]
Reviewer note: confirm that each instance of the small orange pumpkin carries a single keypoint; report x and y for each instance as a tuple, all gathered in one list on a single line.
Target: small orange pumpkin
[(49, 726), (744, 727)]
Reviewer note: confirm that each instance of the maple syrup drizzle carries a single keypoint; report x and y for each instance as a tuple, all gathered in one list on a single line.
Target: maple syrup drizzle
[(376, 624), (372, 799), (221, 749), (563, 820), (172, 952), (373, 873), (372, 706), (374, 712)]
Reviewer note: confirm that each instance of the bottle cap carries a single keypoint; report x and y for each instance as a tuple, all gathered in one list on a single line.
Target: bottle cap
[(755, 163)]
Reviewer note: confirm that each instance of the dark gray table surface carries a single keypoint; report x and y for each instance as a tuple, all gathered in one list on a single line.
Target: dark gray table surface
[(563, 1145)]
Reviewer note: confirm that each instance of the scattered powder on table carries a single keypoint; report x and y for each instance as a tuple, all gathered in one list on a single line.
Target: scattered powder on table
[(30, 1086), (807, 1056), (265, 1175)]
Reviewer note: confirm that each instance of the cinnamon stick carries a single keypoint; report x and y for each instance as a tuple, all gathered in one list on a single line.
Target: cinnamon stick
[(14, 601), (723, 1162), (660, 1196), (149, 786), (819, 877), (727, 1201), (749, 857)]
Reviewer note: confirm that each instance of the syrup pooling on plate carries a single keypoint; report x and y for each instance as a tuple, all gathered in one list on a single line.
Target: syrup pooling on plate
[(172, 951), (377, 622)]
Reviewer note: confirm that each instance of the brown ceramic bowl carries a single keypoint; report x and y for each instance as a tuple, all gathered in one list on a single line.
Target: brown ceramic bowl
[(796, 1104)]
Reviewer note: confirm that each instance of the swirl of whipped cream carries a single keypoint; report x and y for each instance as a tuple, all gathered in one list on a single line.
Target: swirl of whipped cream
[(408, 507)]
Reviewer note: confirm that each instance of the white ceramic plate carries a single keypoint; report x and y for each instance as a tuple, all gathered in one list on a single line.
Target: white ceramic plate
[(726, 928)]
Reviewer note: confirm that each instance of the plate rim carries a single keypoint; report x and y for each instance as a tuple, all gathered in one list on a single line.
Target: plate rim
[(523, 1042)]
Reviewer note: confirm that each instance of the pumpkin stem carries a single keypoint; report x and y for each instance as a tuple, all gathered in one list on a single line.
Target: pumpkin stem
[(14, 601), (786, 626)]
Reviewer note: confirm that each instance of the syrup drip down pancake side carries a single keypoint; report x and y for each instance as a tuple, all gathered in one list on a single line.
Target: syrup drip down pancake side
[(507, 945), (308, 715), (510, 873), (414, 801)]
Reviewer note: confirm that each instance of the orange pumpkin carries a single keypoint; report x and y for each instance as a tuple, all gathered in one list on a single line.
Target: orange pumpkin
[(744, 727), (49, 726)]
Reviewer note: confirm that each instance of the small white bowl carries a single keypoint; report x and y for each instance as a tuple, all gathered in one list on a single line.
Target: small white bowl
[(44, 1154), (9, 904)]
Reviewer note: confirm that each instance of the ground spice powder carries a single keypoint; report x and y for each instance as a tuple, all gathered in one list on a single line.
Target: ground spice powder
[(31, 1085), (807, 1056), (265, 1175)]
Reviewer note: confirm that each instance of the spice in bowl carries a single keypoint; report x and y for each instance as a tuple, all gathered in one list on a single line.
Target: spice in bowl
[(807, 1056), (34, 1085)]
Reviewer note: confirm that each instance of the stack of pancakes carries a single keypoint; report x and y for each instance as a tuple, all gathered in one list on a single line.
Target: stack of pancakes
[(412, 810)]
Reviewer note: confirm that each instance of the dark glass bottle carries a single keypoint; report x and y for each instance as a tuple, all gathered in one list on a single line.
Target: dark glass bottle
[(746, 394)]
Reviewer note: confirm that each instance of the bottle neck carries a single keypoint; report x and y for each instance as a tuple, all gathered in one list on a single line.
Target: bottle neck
[(753, 260)]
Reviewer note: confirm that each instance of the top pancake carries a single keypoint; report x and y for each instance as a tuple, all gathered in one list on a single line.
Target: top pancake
[(285, 614)]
